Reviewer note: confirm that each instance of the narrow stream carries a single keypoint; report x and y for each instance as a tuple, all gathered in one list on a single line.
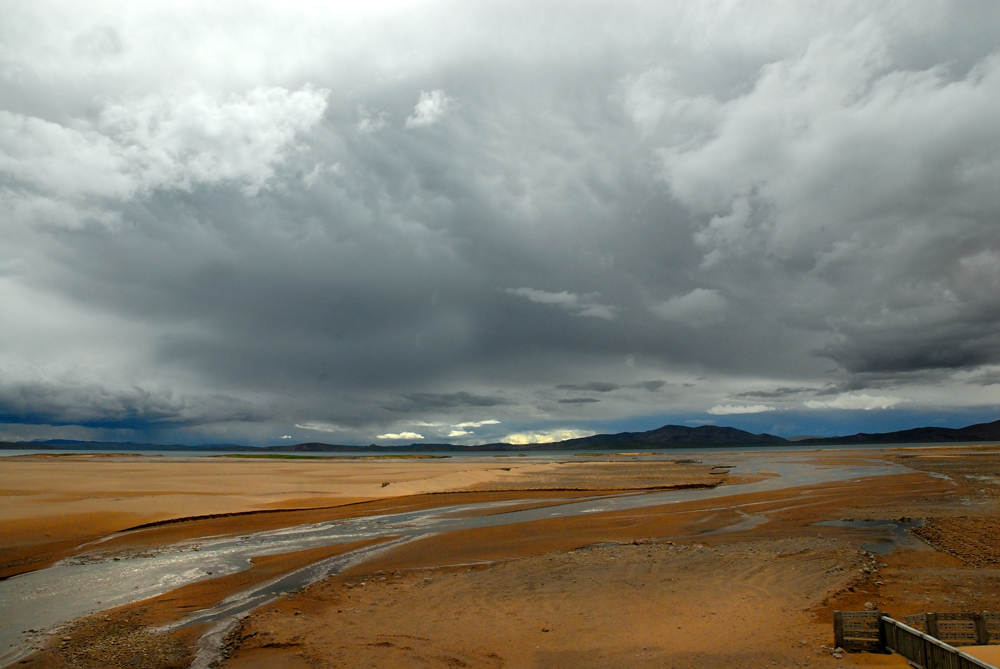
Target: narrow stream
[(35, 603)]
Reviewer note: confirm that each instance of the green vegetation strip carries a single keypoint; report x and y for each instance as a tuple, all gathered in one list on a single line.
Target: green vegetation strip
[(612, 455), (287, 456)]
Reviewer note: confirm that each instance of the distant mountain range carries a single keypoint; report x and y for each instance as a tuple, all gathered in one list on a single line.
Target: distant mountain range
[(668, 436), (917, 435)]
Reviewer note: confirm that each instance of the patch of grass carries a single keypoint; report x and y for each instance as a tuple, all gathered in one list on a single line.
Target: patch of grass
[(404, 456), (270, 456), (289, 456), (612, 455)]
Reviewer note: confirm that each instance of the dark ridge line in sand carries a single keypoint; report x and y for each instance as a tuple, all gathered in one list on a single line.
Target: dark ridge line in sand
[(232, 514), (679, 486), (176, 521)]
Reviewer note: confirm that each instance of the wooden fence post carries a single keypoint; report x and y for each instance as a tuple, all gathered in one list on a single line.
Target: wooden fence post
[(838, 629), (982, 633), (932, 625)]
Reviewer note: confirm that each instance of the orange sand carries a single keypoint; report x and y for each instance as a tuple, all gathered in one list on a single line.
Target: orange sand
[(50, 507), (534, 594)]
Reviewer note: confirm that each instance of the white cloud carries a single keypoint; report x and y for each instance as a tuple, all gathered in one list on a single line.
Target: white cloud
[(319, 426), (372, 122), (579, 305), (724, 231), (478, 423), (458, 433), (63, 161), (545, 437), (651, 97), (186, 138), (825, 143), (400, 435), (162, 141), (309, 180), (862, 401), (699, 308), (729, 409), (563, 299), (430, 109)]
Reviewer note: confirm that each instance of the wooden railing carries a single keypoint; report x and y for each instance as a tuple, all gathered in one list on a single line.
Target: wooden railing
[(873, 631), (925, 651)]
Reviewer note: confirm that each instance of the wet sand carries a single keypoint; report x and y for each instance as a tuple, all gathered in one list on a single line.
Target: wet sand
[(49, 505), (658, 586)]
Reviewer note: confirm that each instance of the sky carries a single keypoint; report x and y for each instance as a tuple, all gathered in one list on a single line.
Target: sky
[(276, 222)]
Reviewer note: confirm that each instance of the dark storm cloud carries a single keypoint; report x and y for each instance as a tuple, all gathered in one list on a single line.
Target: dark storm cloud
[(651, 386), (605, 387), (777, 393), (394, 222), (100, 407), (596, 386), (991, 379), (935, 345), (431, 401)]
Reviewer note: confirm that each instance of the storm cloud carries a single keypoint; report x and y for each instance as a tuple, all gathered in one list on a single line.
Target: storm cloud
[(475, 221)]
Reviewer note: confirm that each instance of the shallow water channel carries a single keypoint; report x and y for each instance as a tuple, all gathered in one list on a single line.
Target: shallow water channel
[(888, 535), (35, 603)]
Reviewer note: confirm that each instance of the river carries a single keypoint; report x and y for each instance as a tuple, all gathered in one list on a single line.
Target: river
[(36, 603)]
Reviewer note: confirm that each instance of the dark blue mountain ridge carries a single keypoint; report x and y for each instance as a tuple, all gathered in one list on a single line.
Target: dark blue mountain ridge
[(668, 436)]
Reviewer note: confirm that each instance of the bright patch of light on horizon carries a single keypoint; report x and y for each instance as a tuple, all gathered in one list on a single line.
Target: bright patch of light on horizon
[(520, 438), (728, 409), (863, 401), (478, 423)]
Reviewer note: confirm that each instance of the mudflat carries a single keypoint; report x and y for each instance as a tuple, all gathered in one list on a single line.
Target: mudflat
[(733, 575), (51, 504)]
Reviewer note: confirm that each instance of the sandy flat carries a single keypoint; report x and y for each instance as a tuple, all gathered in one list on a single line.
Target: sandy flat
[(51, 505), (668, 585), (674, 605), (990, 654)]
